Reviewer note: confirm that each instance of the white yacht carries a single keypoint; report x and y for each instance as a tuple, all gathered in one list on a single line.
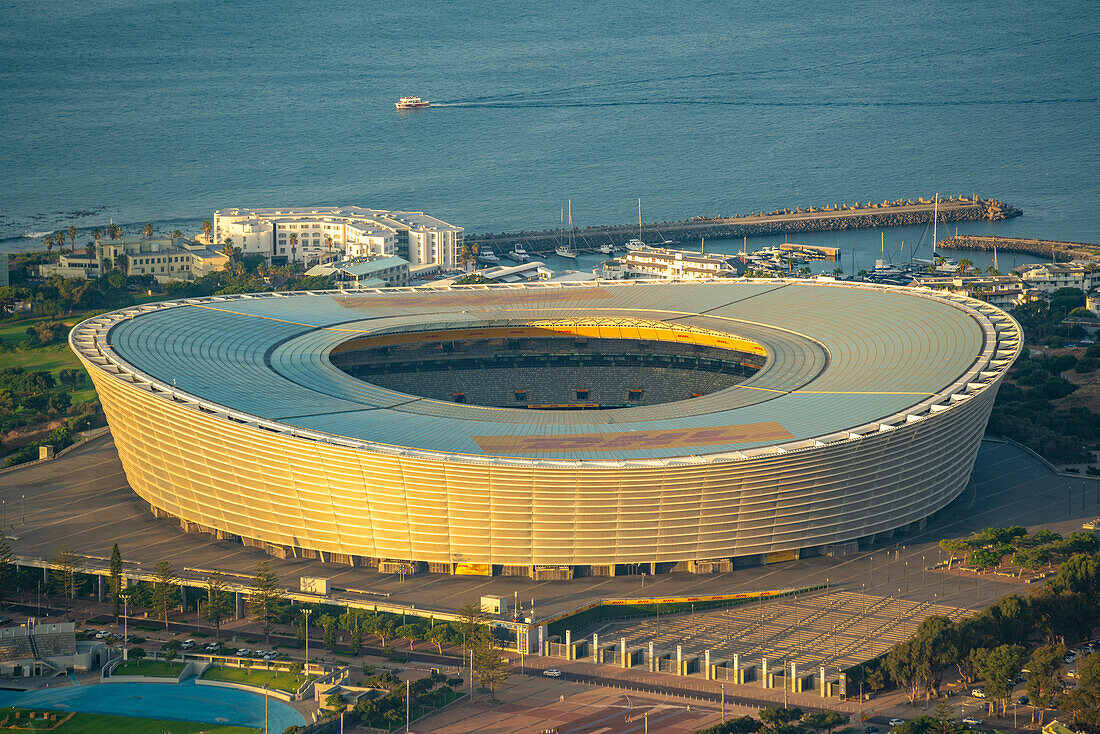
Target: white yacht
[(518, 254), (487, 256), (565, 251)]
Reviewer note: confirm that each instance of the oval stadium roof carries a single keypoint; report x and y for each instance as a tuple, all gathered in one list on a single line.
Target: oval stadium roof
[(843, 360)]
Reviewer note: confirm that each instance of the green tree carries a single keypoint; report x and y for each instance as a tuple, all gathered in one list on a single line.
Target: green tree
[(1044, 678), (1083, 702), (147, 230), (471, 618), (71, 377), (7, 568), (265, 600), (336, 701), (65, 565), (115, 570), (135, 653), (72, 238), (219, 601), (328, 623), (1000, 667), (489, 667), (413, 632), (207, 228), (824, 721), (165, 590), (355, 639)]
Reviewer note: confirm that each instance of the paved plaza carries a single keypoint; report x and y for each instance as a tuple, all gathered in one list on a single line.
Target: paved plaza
[(82, 500), (837, 629)]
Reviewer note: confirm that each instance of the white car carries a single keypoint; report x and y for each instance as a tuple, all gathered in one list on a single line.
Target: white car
[(242, 653), (897, 722), (552, 673), (972, 722), (101, 634), (978, 693)]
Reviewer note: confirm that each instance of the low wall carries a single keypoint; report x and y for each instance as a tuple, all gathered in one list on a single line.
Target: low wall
[(271, 692), (90, 435)]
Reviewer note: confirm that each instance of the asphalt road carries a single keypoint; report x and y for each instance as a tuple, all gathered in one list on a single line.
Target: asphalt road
[(82, 500)]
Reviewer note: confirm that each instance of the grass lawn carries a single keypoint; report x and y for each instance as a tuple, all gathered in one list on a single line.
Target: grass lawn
[(282, 681), (102, 724), (156, 668), (54, 358)]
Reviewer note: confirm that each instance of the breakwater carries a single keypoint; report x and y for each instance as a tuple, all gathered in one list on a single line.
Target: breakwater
[(783, 221), (1053, 249)]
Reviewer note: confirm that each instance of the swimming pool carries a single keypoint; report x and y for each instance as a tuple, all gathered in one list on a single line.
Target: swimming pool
[(181, 701)]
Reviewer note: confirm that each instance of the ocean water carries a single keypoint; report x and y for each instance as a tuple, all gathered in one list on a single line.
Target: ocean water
[(164, 110)]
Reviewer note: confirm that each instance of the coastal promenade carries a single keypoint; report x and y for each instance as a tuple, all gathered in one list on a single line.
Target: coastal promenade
[(784, 221)]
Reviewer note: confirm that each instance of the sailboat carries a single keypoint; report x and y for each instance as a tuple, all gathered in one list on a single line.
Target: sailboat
[(563, 250)]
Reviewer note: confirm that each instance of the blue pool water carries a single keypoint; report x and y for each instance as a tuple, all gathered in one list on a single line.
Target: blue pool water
[(184, 702)]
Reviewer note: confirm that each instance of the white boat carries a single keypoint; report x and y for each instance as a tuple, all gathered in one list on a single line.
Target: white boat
[(518, 254), (411, 103), (605, 249), (487, 256), (566, 250)]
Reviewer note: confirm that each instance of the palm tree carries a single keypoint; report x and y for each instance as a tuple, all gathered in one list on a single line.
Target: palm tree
[(147, 230), (72, 238), (964, 266), (60, 238), (293, 246), (467, 254), (97, 234), (207, 228), (49, 242), (177, 234), (328, 244)]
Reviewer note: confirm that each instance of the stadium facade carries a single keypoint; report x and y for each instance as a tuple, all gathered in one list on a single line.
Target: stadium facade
[(658, 426)]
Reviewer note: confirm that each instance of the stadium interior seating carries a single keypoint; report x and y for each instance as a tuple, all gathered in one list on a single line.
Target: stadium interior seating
[(551, 372)]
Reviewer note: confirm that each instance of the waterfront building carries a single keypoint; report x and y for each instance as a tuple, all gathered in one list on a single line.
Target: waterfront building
[(320, 233), (366, 271), (553, 429), (164, 258), (1049, 277), (1005, 291), (660, 262)]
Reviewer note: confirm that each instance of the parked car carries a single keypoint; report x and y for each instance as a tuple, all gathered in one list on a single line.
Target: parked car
[(978, 692), (101, 634), (897, 722), (1023, 700), (242, 653), (552, 673), (872, 729), (187, 644), (972, 722)]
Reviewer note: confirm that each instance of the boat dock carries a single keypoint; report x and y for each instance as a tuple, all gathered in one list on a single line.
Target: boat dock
[(782, 221), (816, 252)]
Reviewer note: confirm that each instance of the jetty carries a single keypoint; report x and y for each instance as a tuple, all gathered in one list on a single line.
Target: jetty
[(781, 221), (1056, 250)]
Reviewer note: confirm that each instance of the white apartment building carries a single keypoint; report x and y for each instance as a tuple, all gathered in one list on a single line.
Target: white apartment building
[(658, 262), (1048, 277), (312, 235)]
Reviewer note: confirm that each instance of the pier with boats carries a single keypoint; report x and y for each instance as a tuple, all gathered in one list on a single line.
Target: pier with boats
[(605, 239)]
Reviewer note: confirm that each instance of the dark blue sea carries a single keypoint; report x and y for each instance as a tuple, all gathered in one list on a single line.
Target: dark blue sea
[(163, 111)]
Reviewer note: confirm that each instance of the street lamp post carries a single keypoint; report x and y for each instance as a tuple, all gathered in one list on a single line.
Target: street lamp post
[(723, 702), (305, 628), (266, 730), (125, 626)]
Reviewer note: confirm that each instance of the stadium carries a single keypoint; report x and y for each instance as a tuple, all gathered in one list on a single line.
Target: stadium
[(552, 430)]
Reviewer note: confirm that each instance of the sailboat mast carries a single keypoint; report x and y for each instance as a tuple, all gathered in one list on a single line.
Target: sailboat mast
[(639, 219), (570, 225), (935, 221)]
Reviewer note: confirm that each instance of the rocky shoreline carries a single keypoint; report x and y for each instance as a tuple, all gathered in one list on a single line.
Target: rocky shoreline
[(1055, 250)]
